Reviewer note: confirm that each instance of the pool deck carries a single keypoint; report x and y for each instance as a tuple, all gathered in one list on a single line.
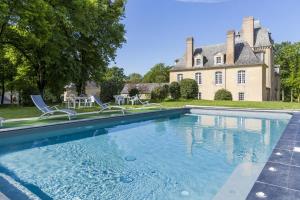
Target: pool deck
[(280, 177)]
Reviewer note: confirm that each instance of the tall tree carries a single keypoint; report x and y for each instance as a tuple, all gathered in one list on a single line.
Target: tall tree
[(158, 74), (135, 78), (72, 40), (287, 55)]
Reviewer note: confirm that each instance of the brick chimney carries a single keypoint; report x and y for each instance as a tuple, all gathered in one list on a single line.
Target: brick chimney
[(230, 47), (248, 30), (189, 52)]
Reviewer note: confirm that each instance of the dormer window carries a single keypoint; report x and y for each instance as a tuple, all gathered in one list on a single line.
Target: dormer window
[(198, 60), (219, 59)]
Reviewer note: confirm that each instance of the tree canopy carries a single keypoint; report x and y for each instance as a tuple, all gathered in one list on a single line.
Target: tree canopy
[(135, 78), (62, 41), (158, 74), (287, 55)]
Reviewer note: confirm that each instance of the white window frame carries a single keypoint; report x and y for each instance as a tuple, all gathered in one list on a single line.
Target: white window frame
[(179, 77), (196, 58), (241, 77), (217, 57), (241, 96), (198, 78), (218, 78)]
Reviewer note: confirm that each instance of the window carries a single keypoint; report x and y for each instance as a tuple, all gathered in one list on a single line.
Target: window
[(198, 78), (199, 95), (219, 59), (241, 96), (198, 60), (241, 77), (179, 77), (218, 78)]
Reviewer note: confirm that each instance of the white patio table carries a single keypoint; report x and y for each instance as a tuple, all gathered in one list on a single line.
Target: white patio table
[(79, 102)]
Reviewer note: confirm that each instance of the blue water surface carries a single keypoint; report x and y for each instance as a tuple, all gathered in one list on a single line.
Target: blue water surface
[(176, 157)]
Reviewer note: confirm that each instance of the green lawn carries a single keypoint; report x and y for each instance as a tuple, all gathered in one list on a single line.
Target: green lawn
[(239, 104), (18, 112), (14, 112)]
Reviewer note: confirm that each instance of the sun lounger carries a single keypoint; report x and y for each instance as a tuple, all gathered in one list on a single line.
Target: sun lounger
[(46, 110)]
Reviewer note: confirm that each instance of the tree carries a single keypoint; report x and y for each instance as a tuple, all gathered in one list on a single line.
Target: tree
[(160, 93), (133, 92), (72, 40), (287, 55), (158, 74), (188, 88), (135, 78), (112, 83)]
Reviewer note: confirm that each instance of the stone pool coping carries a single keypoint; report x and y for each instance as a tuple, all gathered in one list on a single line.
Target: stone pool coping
[(132, 117), (280, 177)]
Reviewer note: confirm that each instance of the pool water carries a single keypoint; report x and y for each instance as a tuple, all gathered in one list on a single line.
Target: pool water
[(185, 156)]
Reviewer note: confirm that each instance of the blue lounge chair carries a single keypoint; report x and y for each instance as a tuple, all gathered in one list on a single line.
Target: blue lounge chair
[(46, 110), (106, 106)]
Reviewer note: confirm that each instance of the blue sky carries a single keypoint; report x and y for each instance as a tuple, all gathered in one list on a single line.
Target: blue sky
[(157, 29)]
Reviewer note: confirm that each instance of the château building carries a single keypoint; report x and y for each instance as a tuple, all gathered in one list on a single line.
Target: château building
[(242, 65)]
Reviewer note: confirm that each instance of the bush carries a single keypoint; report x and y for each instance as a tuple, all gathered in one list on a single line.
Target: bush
[(188, 88), (223, 95), (160, 93), (174, 90), (133, 92), (108, 90), (24, 94)]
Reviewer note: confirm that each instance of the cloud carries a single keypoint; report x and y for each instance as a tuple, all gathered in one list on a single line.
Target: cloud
[(202, 1)]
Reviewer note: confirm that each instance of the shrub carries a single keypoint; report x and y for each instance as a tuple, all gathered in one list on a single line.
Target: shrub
[(188, 88), (108, 90), (223, 95), (160, 93), (174, 90), (24, 94), (133, 92)]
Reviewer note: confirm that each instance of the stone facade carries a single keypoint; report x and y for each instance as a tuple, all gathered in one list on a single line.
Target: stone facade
[(243, 65)]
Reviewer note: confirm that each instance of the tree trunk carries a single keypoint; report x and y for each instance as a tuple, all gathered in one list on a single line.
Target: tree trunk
[(3, 91), (80, 88), (291, 95), (41, 82), (282, 94), (11, 97), (41, 87)]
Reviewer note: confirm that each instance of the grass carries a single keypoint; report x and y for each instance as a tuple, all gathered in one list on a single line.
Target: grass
[(272, 105), (15, 112), (52, 120), (18, 112)]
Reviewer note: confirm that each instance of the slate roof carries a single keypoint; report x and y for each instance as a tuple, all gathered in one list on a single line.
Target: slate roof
[(244, 54), (144, 88)]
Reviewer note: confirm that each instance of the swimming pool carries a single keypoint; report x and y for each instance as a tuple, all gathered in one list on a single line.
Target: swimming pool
[(179, 156)]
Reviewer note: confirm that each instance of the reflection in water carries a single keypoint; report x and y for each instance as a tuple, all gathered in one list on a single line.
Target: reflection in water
[(221, 132)]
